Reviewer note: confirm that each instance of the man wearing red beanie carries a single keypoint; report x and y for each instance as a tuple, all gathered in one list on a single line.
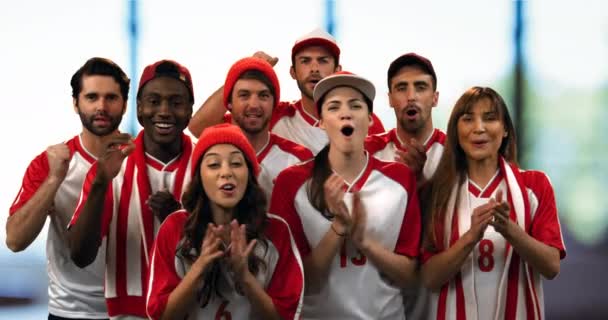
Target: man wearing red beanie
[(251, 92), (313, 56), (122, 202)]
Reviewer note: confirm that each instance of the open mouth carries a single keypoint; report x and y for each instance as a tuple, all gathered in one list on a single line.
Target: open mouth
[(228, 187), (347, 130), (411, 112)]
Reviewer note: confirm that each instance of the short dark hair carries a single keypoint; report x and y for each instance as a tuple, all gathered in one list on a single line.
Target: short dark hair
[(255, 74), (102, 67), (411, 59)]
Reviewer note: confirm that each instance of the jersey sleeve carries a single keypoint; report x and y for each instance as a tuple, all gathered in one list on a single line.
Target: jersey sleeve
[(108, 206), (286, 286), (408, 243), (163, 278), (282, 205), (408, 240), (545, 225), (376, 126), (34, 176)]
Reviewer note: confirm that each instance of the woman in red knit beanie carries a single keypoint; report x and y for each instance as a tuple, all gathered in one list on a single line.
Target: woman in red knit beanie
[(224, 256)]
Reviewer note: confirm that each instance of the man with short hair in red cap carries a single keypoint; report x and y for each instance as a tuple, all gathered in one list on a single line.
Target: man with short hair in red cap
[(123, 203), (314, 56)]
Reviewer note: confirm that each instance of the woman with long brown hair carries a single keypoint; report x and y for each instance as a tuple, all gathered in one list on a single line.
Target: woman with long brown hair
[(223, 256), (355, 219), (493, 228)]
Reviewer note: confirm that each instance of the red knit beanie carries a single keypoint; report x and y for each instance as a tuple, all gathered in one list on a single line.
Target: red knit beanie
[(224, 133), (250, 63)]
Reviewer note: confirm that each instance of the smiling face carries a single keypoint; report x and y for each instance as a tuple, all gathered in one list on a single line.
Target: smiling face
[(412, 97), (164, 109), (225, 175), (481, 131), (345, 117), (252, 104)]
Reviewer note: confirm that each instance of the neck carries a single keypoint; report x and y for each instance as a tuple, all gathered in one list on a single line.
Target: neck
[(347, 165), (481, 172), (309, 105), (221, 216), (420, 135), (258, 140), (164, 153), (95, 144)]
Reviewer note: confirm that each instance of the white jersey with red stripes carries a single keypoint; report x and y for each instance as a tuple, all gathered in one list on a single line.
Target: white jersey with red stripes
[(292, 122), (73, 292), (128, 225), (354, 288), (282, 278), (489, 276), (275, 156), (384, 145)]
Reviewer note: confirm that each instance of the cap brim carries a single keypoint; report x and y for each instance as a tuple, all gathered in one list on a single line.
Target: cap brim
[(344, 80), (321, 42)]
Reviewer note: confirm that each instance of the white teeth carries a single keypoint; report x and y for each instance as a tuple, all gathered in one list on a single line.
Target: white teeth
[(163, 125), (228, 187)]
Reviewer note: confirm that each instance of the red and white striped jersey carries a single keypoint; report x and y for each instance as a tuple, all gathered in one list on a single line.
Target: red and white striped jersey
[(355, 289), (282, 279), (73, 292), (494, 282), (384, 145), (129, 226), (278, 154)]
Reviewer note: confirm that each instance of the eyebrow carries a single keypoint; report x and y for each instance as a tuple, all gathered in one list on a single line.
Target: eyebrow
[(217, 154)]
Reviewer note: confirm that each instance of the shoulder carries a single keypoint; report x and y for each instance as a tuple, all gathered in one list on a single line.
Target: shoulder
[(377, 142), (175, 221), (291, 147), (438, 137), (536, 180), (395, 171)]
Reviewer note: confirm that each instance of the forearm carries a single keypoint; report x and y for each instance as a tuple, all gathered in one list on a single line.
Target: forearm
[(184, 295), (317, 263), (210, 113), (260, 301), (399, 269), (25, 224), (445, 265), (85, 235), (543, 258)]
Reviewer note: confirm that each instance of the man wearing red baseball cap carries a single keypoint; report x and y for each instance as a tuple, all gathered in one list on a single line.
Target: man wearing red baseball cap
[(313, 56), (123, 203)]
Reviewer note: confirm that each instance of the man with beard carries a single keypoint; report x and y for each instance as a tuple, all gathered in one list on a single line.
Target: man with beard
[(412, 93), (314, 56), (51, 187), (251, 92), (123, 202)]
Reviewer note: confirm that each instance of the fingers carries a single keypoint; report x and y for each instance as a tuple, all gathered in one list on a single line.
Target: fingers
[(263, 55)]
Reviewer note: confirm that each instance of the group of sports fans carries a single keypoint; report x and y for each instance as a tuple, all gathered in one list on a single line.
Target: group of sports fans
[(288, 210)]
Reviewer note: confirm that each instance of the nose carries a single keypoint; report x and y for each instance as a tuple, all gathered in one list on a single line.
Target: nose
[(163, 108), (410, 94), (479, 125), (225, 171)]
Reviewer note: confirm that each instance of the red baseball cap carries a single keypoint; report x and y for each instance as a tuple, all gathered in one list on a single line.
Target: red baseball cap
[(317, 37), (166, 68)]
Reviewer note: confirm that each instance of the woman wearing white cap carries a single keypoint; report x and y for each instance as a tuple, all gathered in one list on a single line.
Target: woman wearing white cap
[(355, 219)]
